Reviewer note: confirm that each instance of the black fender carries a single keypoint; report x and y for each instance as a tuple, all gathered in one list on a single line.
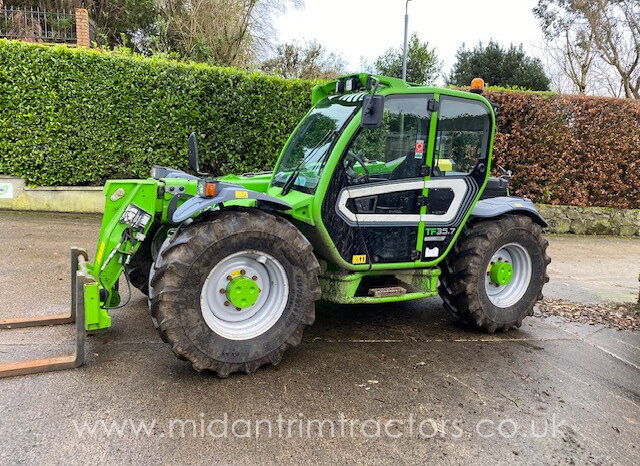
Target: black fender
[(224, 192), (496, 206)]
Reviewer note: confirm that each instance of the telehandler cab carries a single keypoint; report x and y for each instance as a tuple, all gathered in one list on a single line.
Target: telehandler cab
[(381, 194)]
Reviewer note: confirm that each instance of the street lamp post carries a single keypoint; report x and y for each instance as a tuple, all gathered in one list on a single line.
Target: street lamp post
[(406, 31)]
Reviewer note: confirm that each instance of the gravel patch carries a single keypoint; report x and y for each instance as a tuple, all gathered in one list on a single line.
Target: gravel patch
[(623, 316)]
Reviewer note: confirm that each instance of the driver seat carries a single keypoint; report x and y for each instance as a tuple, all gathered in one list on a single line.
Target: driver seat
[(408, 168)]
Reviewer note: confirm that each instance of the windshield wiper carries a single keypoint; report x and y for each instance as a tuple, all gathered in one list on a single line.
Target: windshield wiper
[(288, 184)]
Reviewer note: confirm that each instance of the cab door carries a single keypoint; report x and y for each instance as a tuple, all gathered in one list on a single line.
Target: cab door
[(372, 208), (459, 169)]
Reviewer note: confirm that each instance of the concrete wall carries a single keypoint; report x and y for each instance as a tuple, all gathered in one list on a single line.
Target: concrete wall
[(14, 195), (561, 219)]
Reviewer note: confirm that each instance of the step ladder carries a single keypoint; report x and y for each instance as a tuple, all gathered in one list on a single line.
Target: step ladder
[(384, 292)]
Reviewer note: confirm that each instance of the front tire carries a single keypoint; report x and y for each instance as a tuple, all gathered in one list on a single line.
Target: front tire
[(494, 275), (233, 293), (139, 269)]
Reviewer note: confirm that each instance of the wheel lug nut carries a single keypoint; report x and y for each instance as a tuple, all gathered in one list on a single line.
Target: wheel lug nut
[(243, 272), (226, 303), (222, 291), (229, 277), (238, 309), (254, 278)]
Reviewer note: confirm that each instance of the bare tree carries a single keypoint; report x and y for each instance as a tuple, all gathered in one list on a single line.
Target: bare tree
[(605, 80), (578, 57), (616, 26), (599, 38), (224, 32), (570, 39), (310, 61), (552, 57)]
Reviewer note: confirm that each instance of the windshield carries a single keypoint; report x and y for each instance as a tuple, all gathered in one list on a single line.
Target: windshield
[(311, 142)]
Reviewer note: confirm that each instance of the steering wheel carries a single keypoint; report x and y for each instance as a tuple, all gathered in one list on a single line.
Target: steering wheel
[(351, 159)]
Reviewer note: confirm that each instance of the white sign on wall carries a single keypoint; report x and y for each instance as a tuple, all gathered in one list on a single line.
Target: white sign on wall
[(6, 190)]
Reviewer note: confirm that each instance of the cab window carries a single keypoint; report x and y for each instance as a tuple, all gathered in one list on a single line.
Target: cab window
[(462, 136), (394, 150), (305, 155)]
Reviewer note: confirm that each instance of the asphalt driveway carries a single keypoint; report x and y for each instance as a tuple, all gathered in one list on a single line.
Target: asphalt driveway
[(396, 383)]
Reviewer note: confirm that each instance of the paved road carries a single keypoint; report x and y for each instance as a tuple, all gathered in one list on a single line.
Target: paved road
[(594, 268), (437, 391)]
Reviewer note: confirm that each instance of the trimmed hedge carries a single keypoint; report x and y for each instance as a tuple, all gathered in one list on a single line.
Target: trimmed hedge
[(571, 150), (77, 117)]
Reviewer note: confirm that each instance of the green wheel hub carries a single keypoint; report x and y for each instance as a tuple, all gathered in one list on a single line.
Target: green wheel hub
[(244, 295), (501, 273), (243, 292)]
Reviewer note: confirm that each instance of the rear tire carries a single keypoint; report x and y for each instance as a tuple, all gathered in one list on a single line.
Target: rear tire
[(465, 288), (187, 291)]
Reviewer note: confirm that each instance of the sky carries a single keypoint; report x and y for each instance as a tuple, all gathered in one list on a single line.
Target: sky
[(364, 29)]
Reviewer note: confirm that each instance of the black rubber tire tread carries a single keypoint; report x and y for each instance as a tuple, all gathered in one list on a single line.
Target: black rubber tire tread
[(463, 271), (139, 267), (174, 292)]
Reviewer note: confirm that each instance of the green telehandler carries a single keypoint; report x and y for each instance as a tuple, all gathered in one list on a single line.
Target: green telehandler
[(381, 194)]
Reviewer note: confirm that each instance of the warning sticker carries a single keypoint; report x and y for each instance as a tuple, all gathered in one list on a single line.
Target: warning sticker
[(100, 253), (419, 148), (242, 195), (359, 259), (431, 252)]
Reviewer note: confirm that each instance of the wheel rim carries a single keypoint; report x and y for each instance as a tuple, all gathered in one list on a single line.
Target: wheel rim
[(244, 295), (508, 275)]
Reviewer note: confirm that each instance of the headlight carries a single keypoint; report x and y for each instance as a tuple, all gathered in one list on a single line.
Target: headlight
[(135, 217)]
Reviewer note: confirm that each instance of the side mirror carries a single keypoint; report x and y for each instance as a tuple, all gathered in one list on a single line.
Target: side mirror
[(372, 110), (194, 163)]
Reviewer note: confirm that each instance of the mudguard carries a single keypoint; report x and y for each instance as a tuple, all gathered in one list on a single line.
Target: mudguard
[(224, 192), (496, 206)]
